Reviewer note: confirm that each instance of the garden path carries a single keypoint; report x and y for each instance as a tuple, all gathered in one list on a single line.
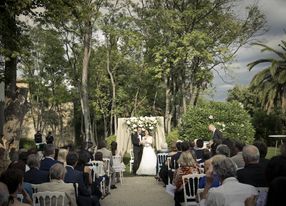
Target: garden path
[(138, 191)]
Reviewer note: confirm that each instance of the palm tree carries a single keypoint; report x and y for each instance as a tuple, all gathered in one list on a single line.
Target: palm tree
[(270, 83)]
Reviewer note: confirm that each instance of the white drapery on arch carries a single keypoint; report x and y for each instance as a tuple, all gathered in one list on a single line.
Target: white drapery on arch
[(123, 137)]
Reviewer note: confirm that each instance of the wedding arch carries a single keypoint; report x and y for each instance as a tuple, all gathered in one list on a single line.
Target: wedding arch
[(125, 127)]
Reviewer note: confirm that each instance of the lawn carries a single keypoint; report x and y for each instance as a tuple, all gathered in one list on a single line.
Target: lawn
[(271, 152)]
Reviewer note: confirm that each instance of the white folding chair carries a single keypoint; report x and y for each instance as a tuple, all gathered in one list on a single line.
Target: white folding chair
[(161, 158), (98, 170), (118, 167), (190, 187), (48, 198), (131, 162)]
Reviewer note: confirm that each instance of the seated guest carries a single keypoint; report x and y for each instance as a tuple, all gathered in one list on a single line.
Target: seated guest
[(199, 150), (20, 165), (175, 157), (252, 173), (35, 175), (48, 160), (62, 156), (57, 174), (108, 155), (75, 176), (188, 165), (4, 194), (209, 168), (262, 147), (13, 178), (223, 150), (238, 159), (231, 192), (173, 149), (276, 193)]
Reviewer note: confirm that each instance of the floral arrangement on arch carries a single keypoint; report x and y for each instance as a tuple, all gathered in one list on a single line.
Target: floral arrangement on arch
[(149, 123)]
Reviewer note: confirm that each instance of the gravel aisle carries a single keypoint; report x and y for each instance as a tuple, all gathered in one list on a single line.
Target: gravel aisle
[(138, 191)]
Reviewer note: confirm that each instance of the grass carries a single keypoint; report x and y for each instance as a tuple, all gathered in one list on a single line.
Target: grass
[(271, 152)]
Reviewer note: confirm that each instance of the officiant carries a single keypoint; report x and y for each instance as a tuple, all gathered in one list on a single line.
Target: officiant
[(136, 138)]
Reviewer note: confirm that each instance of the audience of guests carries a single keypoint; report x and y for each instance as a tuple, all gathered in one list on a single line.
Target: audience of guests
[(231, 191), (35, 175), (13, 178), (48, 160), (188, 165), (85, 197), (253, 173), (57, 174), (237, 158)]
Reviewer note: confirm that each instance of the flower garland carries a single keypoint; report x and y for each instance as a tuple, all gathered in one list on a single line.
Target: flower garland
[(149, 123)]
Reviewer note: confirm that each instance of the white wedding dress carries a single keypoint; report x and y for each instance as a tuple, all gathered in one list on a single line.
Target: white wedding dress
[(149, 159)]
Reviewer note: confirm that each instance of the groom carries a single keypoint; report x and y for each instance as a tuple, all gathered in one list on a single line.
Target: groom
[(136, 138)]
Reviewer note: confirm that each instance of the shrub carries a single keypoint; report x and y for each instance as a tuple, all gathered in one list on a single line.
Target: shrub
[(173, 136), (27, 143), (229, 117), (109, 140)]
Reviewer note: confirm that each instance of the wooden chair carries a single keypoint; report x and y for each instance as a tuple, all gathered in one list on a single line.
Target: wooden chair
[(161, 159), (190, 187), (48, 198)]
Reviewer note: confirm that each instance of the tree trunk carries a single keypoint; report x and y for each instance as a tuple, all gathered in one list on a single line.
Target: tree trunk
[(84, 82), (168, 116), (2, 104), (113, 123)]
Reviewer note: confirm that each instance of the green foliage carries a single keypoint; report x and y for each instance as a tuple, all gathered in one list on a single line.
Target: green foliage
[(229, 117), (267, 124), (172, 137), (270, 83), (27, 143), (110, 139), (245, 96)]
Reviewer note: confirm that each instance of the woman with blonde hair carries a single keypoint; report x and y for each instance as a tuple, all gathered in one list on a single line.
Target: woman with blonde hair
[(187, 165)]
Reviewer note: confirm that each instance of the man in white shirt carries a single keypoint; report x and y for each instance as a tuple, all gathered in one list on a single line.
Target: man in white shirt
[(231, 192)]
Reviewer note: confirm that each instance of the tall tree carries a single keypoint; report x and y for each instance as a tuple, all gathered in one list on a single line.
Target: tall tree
[(270, 83), (76, 20), (186, 40), (12, 43)]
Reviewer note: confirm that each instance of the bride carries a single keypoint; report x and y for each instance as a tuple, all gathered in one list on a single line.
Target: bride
[(149, 159)]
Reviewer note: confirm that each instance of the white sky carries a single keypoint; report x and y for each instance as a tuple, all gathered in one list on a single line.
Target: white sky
[(275, 12)]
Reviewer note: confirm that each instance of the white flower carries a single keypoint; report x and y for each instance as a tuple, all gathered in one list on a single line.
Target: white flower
[(128, 122), (241, 105), (134, 126), (151, 128), (223, 125), (211, 117)]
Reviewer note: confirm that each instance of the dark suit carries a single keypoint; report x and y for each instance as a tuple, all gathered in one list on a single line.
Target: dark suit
[(47, 162), (137, 150), (36, 176), (217, 135), (252, 174), (84, 195)]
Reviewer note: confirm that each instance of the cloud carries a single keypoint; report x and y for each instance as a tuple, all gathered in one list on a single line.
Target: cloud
[(238, 73)]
